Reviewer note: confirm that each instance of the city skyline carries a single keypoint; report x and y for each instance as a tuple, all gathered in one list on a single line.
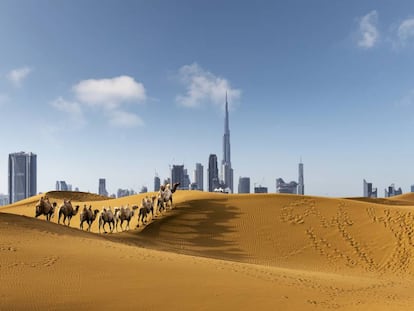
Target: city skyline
[(21, 162), (134, 87)]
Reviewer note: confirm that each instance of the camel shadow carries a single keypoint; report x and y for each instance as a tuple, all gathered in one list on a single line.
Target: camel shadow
[(199, 228)]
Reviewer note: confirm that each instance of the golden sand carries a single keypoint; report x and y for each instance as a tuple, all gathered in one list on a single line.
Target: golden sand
[(214, 252)]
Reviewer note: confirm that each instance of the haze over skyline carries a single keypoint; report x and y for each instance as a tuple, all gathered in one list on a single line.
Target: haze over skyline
[(121, 90)]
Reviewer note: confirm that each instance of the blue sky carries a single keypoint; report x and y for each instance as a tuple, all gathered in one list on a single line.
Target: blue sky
[(123, 89)]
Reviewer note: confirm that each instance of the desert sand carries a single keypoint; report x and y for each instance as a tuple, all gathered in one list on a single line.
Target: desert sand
[(214, 251)]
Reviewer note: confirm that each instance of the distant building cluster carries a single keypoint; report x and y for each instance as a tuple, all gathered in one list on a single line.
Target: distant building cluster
[(369, 191), (283, 187), (61, 185), (392, 191), (125, 192), (4, 199)]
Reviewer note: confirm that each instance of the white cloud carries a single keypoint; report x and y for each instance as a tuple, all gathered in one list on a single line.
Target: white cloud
[(16, 76), (203, 86), (109, 93), (72, 110), (368, 32), (405, 31), (119, 118), (106, 97)]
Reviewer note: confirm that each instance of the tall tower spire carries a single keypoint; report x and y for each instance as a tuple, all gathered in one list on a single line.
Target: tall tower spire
[(301, 183), (226, 170), (226, 121)]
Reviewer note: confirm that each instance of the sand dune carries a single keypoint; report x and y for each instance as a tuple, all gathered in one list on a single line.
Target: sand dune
[(214, 252)]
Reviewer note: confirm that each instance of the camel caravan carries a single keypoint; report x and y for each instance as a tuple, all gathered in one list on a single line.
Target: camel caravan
[(115, 218)]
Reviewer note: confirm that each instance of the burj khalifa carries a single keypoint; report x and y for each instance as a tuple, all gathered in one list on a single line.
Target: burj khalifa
[(226, 170)]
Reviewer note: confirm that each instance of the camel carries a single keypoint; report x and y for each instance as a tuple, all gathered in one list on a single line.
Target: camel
[(146, 208), (150, 205), (88, 215), (160, 200), (106, 216), (165, 196), (67, 211), (123, 214), (43, 207)]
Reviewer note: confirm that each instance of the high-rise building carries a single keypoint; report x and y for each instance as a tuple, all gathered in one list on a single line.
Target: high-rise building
[(412, 188), (244, 185), (177, 175), (260, 189), (157, 183), (226, 169), (199, 176), (369, 191), (144, 189), (22, 176), (391, 191), (301, 184), (213, 180), (102, 187), (283, 187), (187, 181)]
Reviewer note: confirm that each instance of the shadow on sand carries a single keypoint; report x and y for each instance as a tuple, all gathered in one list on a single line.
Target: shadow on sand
[(199, 228)]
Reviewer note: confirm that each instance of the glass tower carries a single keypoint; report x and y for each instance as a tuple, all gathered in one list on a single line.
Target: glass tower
[(22, 176)]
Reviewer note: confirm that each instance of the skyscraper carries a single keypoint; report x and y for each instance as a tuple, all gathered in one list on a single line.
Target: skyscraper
[(226, 169), (187, 181), (213, 180), (157, 183), (301, 185), (199, 176), (177, 175), (244, 185), (102, 187), (22, 176)]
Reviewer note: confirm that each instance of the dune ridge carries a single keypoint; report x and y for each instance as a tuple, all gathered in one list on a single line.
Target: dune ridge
[(270, 250)]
